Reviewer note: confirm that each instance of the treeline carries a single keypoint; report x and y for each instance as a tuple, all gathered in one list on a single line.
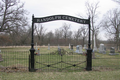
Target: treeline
[(15, 29), (62, 36)]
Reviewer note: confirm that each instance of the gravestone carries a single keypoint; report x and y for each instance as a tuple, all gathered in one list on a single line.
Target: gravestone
[(80, 49), (112, 51), (59, 51), (48, 46), (102, 49), (77, 49), (58, 47), (71, 46), (38, 52), (84, 46)]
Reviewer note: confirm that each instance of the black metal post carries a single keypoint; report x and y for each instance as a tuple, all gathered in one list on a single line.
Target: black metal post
[(32, 50), (89, 51)]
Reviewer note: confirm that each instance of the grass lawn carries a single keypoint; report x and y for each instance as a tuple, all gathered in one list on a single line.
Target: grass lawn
[(105, 67), (86, 75)]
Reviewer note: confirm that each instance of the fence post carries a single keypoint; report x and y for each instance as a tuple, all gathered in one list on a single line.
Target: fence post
[(89, 52), (32, 50)]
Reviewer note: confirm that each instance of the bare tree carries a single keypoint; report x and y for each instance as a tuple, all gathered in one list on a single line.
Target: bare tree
[(40, 31), (93, 13), (84, 33), (12, 15), (70, 37), (49, 36), (65, 30), (58, 35), (111, 23), (77, 35), (5, 40), (81, 34), (20, 36)]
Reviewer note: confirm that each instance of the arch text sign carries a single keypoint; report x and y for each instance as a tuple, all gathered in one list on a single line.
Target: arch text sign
[(60, 17)]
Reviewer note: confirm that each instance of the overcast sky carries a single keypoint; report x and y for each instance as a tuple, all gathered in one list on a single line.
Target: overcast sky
[(42, 8)]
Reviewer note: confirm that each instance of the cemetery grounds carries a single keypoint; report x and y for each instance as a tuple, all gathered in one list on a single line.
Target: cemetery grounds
[(105, 67)]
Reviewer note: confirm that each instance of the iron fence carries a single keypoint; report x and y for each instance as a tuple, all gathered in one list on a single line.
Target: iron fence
[(14, 61), (19, 61), (56, 62)]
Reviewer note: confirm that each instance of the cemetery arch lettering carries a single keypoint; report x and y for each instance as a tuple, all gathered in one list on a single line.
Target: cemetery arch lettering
[(60, 17)]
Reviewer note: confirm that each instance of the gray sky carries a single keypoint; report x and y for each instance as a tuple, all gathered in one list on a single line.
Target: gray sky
[(42, 8)]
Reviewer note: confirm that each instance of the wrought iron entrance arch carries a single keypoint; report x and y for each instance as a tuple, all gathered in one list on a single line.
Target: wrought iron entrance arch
[(60, 17)]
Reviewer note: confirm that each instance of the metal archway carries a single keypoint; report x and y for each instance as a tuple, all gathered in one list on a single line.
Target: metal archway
[(60, 17)]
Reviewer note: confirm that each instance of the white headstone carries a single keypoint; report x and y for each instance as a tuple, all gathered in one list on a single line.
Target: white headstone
[(59, 49), (69, 45), (80, 48), (84, 46), (77, 49), (58, 46), (48, 46), (38, 52), (102, 49)]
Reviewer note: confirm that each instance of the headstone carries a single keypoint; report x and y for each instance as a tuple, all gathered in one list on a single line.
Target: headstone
[(77, 49), (1, 57), (48, 46), (58, 47), (112, 51), (38, 52), (84, 46), (71, 46), (80, 49), (102, 49)]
